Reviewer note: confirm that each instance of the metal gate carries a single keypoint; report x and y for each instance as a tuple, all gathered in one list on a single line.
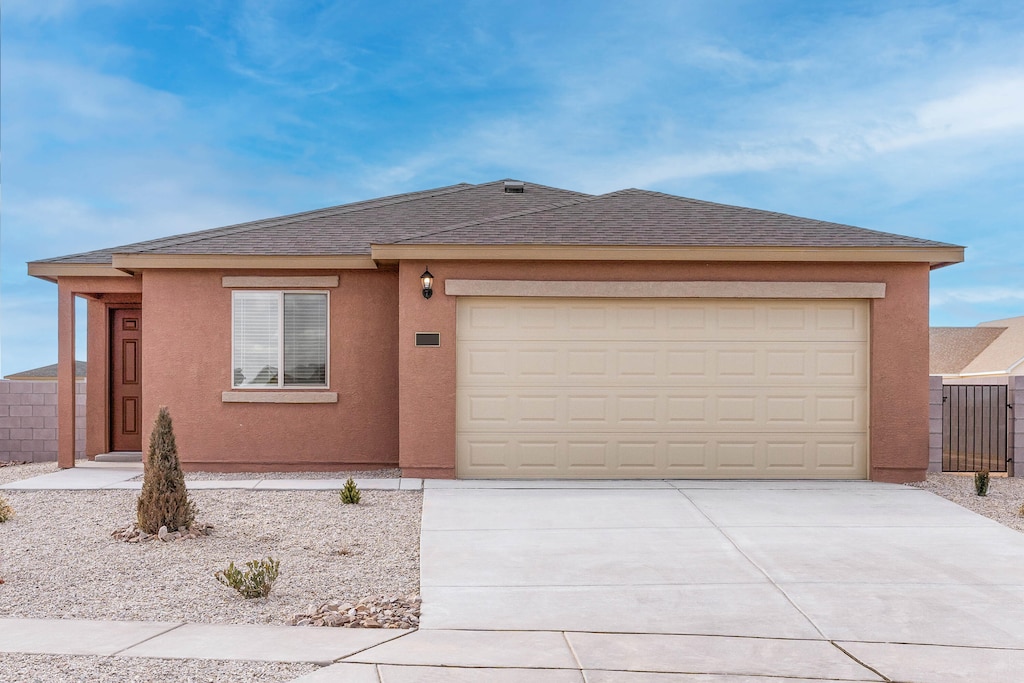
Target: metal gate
[(975, 428)]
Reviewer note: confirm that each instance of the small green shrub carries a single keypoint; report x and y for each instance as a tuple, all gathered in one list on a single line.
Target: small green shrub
[(1021, 511), (350, 492), (981, 478), (255, 582), (6, 511)]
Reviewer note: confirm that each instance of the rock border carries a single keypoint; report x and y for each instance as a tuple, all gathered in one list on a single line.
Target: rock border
[(378, 611), (133, 534)]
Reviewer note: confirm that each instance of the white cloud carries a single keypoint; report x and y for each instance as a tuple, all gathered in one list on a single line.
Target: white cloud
[(978, 295)]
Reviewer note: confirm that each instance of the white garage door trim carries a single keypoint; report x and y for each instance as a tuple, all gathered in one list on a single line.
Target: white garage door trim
[(654, 388)]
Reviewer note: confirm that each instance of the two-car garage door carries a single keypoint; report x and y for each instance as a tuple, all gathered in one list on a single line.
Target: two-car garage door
[(634, 388)]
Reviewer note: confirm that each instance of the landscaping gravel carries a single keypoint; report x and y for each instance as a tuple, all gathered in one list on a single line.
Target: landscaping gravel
[(58, 559), (61, 669), (9, 473), (1003, 502), (391, 473)]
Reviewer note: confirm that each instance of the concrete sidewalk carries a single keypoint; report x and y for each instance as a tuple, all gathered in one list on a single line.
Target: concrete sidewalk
[(393, 656), (118, 475)]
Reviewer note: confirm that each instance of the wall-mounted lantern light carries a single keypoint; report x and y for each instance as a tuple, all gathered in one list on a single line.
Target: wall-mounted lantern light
[(428, 284)]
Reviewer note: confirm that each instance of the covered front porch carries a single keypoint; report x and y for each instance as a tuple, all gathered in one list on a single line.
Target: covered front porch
[(114, 354)]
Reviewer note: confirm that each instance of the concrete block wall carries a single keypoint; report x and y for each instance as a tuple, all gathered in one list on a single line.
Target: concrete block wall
[(1015, 396), (935, 423), (28, 420)]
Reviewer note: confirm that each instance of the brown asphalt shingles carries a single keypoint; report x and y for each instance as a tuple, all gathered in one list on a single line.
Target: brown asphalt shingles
[(486, 215)]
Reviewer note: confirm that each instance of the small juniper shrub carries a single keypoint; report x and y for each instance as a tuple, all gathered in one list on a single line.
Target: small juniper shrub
[(6, 511), (350, 492), (981, 478), (164, 499), (255, 582)]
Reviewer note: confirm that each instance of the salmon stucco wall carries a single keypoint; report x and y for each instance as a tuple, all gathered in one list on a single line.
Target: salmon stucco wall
[(899, 348), (186, 332)]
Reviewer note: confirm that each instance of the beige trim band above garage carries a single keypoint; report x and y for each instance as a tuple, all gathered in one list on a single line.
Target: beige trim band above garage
[(256, 281), (131, 262), (935, 256), (279, 397), (666, 290)]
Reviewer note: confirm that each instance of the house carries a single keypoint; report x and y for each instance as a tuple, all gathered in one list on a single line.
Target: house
[(47, 373), (508, 329), (990, 353)]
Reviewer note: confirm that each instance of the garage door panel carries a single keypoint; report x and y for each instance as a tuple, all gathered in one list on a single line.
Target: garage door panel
[(673, 388), (701, 320), (694, 455), (668, 363), (627, 410)]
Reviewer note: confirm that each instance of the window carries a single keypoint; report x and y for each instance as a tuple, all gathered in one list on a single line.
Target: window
[(274, 330)]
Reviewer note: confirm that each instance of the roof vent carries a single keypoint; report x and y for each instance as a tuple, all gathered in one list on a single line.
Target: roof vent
[(514, 187)]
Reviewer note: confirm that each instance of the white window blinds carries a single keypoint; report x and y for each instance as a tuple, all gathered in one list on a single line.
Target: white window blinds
[(275, 330), (305, 339)]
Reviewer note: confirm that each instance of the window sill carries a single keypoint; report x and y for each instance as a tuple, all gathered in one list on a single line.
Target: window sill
[(263, 396)]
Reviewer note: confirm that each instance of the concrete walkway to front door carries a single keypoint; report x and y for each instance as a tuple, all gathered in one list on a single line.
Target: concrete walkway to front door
[(830, 580)]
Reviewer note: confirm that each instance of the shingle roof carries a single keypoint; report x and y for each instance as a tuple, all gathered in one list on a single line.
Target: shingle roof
[(953, 348), (345, 229), (46, 372), (645, 218), (485, 214)]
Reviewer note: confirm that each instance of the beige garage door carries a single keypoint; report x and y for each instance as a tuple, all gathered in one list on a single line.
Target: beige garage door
[(649, 388)]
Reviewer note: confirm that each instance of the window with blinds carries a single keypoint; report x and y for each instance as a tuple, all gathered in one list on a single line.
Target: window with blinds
[(279, 339)]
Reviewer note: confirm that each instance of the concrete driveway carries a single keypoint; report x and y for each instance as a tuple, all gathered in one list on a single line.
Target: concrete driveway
[(827, 581)]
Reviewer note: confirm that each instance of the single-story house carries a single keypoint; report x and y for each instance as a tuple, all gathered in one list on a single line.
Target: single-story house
[(990, 353), (509, 329), (47, 373)]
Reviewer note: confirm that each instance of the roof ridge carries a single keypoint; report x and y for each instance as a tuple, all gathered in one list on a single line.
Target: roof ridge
[(583, 199), (277, 221), (489, 219)]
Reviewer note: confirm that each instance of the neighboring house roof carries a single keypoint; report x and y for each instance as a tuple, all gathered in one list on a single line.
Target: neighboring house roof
[(992, 348), (485, 215), (47, 372)]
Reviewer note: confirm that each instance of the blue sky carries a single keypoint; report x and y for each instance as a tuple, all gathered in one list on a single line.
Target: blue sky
[(123, 120)]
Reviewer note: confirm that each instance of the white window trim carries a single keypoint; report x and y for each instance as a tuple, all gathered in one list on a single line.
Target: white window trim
[(280, 348)]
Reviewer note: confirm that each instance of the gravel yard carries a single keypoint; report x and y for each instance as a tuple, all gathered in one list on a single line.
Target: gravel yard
[(57, 558), (51, 669), (1003, 502)]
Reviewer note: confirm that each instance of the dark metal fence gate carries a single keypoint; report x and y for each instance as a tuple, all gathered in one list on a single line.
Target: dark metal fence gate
[(975, 427)]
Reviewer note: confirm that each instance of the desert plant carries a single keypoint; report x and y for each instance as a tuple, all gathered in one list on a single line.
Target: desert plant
[(350, 492), (1021, 511), (255, 582), (164, 499), (981, 478), (6, 511)]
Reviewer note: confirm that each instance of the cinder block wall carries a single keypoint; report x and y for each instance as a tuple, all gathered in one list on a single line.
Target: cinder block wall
[(28, 420), (1015, 395), (935, 423)]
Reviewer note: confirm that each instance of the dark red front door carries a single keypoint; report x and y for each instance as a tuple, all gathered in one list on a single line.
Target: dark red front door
[(126, 379)]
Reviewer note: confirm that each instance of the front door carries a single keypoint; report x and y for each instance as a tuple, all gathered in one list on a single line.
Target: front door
[(126, 379)]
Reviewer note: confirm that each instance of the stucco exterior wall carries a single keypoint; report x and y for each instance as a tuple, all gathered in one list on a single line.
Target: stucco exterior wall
[(899, 397), (186, 366)]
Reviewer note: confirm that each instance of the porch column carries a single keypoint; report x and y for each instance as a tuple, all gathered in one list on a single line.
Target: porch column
[(65, 375)]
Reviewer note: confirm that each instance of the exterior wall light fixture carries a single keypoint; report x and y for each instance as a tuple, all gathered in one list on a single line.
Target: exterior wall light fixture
[(428, 284)]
